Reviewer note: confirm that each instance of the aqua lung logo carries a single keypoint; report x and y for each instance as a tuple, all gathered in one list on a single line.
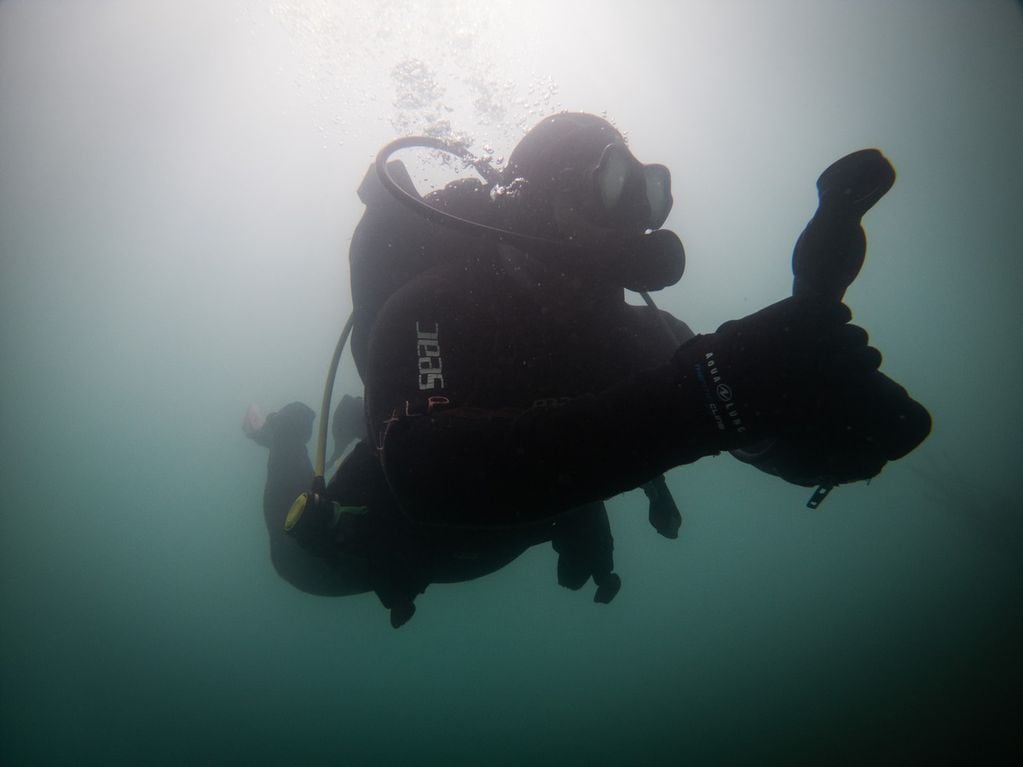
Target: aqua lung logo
[(725, 412), (431, 375)]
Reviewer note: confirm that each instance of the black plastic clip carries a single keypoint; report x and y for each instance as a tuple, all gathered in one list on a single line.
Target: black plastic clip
[(819, 495)]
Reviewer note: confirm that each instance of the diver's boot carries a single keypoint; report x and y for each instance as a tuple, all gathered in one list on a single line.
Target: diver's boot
[(402, 612), (608, 585), (582, 538), (253, 423), (832, 247), (292, 423), (396, 586), (663, 513)]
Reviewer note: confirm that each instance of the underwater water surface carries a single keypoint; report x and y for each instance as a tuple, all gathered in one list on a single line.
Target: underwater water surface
[(177, 195)]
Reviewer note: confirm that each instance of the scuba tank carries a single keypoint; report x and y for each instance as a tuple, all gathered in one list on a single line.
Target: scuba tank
[(393, 244), (382, 258)]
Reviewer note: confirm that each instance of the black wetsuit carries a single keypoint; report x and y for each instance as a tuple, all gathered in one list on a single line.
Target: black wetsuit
[(505, 349), (502, 348), (461, 362), (505, 388), (487, 371), (508, 395), (493, 401)]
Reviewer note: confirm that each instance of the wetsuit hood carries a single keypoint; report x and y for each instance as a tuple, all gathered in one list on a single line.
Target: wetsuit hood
[(553, 156), (574, 183)]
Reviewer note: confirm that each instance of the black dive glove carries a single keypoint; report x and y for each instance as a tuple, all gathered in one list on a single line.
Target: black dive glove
[(772, 371), (861, 422), (859, 428)]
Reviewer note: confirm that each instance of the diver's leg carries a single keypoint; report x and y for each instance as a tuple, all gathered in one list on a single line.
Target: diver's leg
[(582, 538), (289, 471), (663, 513)]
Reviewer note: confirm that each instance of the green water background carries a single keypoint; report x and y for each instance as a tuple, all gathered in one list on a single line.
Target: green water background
[(176, 198)]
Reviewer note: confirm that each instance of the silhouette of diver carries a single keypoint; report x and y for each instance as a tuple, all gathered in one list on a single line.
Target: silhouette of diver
[(510, 389)]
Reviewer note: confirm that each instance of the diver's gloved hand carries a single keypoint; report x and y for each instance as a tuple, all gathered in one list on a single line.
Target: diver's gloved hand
[(764, 374), (859, 428), (831, 249), (853, 184)]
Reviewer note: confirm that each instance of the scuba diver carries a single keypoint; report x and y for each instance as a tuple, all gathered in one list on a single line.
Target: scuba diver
[(510, 389)]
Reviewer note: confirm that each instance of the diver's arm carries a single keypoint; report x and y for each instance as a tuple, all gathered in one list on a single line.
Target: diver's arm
[(861, 423), (450, 460), (519, 465)]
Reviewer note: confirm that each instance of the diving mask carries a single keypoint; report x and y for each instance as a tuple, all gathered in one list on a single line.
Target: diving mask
[(626, 194)]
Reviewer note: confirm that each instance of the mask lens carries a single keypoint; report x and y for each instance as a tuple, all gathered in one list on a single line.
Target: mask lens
[(658, 194), (612, 173)]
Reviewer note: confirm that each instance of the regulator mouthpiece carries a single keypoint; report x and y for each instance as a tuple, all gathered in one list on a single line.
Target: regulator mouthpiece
[(658, 262)]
